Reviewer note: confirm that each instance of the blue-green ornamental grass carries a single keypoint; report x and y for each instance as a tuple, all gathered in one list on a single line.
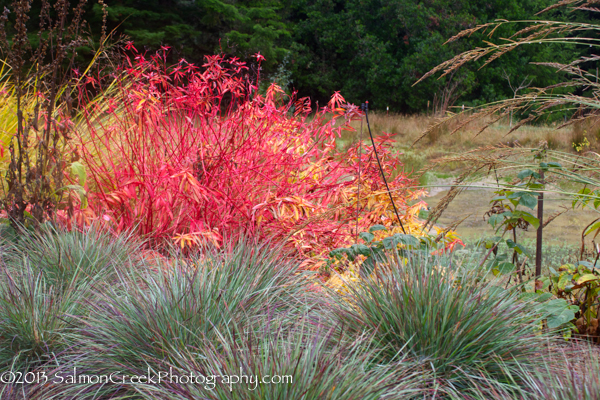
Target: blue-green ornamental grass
[(156, 318), (306, 362), (77, 255), (464, 330), (83, 304), (568, 372), (46, 279)]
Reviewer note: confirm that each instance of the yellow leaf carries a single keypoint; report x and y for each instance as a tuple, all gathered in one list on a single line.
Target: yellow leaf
[(587, 278)]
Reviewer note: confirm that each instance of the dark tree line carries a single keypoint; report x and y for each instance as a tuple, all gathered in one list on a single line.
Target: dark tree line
[(368, 49)]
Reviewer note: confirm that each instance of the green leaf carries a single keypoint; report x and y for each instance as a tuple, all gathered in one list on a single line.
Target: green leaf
[(504, 268), (584, 200), (531, 219), (495, 219), (564, 280), (564, 317), (520, 249), (408, 240), (376, 228), (543, 297), (83, 198), (594, 227), (366, 236), (360, 249), (338, 253), (389, 243), (528, 201), (78, 169), (586, 264), (555, 306), (525, 174)]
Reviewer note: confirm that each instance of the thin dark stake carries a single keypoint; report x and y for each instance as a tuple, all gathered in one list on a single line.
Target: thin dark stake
[(365, 108)]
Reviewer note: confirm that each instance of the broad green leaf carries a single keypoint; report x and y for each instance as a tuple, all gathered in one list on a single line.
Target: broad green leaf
[(544, 297), (361, 249), (505, 268), (376, 228), (555, 306), (389, 243), (531, 219), (526, 173), (528, 201), (557, 320), (564, 280), (366, 236), (338, 252), (516, 246), (495, 219)]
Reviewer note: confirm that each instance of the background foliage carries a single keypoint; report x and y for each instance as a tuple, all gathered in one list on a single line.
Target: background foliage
[(374, 49)]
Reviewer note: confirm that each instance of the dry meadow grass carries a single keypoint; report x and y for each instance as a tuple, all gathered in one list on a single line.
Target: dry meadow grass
[(409, 128), (474, 203)]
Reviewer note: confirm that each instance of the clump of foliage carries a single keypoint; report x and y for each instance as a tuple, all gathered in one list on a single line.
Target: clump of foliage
[(35, 316), (570, 373), (185, 309), (46, 280), (419, 329), (65, 257), (40, 99), (461, 327), (179, 153)]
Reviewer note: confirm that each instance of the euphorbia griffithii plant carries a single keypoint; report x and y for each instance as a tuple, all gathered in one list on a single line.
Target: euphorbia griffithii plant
[(186, 154)]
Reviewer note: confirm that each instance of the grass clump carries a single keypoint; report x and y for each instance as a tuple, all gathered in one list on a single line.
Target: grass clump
[(47, 280), (468, 333), (417, 328), (309, 361), (152, 319), (35, 320), (63, 256), (569, 372)]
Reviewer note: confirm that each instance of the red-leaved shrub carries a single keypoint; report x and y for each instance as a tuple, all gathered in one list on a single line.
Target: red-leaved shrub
[(184, 154)]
